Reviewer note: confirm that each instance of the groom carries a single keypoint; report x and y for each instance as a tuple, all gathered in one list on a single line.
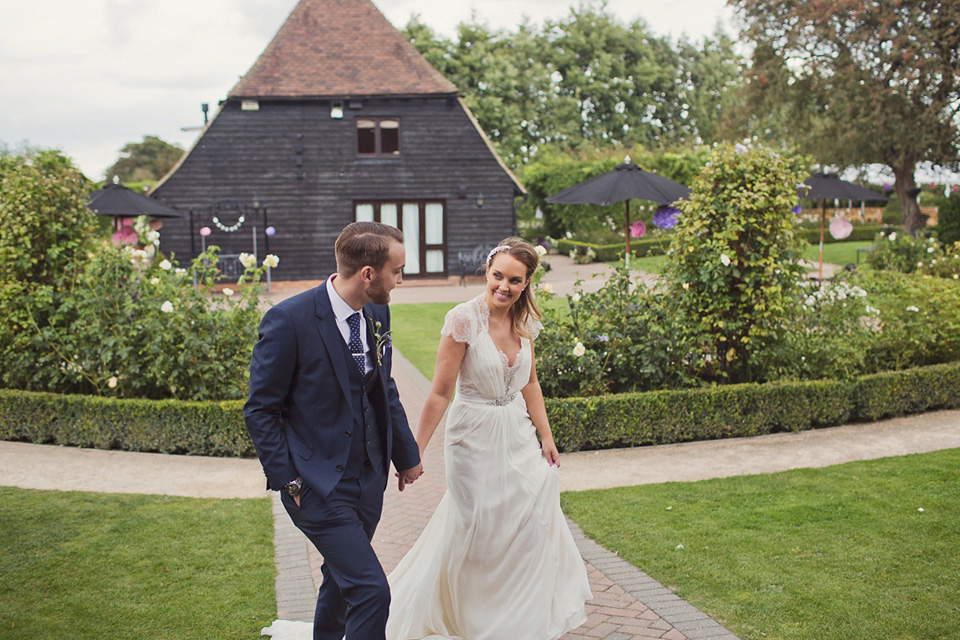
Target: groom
[(326, 421)]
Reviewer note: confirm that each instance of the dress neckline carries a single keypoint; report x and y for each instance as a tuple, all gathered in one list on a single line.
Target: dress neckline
[(485, 323)]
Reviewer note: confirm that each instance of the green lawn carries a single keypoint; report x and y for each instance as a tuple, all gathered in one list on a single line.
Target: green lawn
[(842, 552), (840, 253), (86, 565), (415, 329)]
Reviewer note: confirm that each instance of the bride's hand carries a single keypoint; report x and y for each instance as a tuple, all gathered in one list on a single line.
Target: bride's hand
[(550, 453)]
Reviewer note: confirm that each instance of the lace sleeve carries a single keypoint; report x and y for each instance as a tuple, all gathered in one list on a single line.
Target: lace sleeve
[(461, 323), (534, 327)]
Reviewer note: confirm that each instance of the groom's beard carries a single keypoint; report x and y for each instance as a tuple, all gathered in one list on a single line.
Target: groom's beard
[(377, 292)]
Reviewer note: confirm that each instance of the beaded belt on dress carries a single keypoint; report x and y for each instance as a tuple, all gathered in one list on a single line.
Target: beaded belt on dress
[(502, 401)]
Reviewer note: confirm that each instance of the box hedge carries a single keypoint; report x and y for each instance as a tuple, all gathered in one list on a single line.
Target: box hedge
[(596, 422)]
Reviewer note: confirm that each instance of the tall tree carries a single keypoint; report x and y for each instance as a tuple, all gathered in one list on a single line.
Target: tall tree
[(711, 77), (147, 160), (862, 81)]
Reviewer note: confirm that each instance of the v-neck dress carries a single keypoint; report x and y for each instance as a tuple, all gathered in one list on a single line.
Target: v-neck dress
[(497, 559)]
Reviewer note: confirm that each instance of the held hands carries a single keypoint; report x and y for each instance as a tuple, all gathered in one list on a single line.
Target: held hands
[(408, 476)]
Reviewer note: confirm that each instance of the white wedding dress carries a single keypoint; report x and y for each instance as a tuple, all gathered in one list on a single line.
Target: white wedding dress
[(497, 560)]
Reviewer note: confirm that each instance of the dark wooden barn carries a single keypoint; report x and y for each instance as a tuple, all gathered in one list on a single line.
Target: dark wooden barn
[(340, 119)]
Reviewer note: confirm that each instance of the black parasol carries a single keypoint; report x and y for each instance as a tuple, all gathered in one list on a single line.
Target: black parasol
[(118, 201), (624, 182)]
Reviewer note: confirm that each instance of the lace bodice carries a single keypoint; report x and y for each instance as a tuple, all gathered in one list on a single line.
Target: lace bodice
[(486, 373)]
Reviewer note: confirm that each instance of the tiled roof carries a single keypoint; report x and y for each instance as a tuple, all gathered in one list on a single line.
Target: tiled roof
[(339, 48)]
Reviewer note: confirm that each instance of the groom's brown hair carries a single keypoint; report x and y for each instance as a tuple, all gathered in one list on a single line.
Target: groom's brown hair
[(364, 244)]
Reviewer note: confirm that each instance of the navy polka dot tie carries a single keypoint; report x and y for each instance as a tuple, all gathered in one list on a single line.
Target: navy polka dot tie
[(356, 345)]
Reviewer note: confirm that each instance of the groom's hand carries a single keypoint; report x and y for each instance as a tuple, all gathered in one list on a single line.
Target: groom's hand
[(408, 476)]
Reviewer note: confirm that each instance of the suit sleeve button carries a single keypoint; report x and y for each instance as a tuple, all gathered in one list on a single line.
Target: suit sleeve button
[(346, 433), (339, 467)]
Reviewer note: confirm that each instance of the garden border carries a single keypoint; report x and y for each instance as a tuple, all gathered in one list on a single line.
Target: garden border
[(655, 246), (584, 423)]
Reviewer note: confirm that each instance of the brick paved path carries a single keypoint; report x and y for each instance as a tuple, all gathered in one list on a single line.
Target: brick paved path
[(626, 602)]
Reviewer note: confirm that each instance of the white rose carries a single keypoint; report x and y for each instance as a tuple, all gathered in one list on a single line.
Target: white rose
[(724, 259), (892, 236), (271, 261), (579, 350), (165, 265), (154, 280), (180, 271), (167, 307), (912, 308), (247, 260), (930, 249), (547, 288), (227, 291), (541, 251), (575, 297), (112, 382)]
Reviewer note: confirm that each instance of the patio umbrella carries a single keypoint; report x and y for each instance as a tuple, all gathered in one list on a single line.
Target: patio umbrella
[(118, 201), (829, 186), (624, 182)]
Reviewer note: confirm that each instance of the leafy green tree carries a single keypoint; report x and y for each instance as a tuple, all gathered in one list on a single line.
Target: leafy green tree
[(856, 82), (733, 262), (615, 83), (148, 160), (711, 77)]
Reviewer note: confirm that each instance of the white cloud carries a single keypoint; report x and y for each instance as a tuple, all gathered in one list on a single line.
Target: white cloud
[(88, 76)]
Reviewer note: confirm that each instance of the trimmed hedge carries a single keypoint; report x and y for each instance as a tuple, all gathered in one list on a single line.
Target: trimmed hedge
[(167, 426), (655, 247), (860, 233), (597, 422), (663, 417)]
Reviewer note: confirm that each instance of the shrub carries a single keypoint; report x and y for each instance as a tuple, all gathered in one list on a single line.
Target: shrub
[(621, 338), (948, 219), (896, 250), (46, 226), (127, 326), (733, 267)]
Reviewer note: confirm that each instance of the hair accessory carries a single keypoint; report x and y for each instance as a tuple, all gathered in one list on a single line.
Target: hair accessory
[(496, 250)]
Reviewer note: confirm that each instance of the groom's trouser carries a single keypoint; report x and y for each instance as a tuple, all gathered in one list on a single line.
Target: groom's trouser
[(354, 596)]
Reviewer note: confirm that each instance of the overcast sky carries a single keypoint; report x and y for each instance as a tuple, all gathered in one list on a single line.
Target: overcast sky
[(88, 76)]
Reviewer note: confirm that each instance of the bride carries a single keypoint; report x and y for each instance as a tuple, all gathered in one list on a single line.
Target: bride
[(497, 559)]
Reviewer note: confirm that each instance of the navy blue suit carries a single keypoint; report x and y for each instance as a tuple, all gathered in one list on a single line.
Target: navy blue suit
[(304, 415)]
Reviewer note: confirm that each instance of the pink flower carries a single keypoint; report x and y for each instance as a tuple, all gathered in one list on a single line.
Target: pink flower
[(637, 229), (125, 236)]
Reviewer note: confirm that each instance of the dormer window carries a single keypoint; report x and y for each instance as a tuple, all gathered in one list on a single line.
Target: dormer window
[(378, 136)]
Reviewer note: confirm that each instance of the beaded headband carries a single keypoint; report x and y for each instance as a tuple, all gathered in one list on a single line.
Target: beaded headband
[(496, 250)]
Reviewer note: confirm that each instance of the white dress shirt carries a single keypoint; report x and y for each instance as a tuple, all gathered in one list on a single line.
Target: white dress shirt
[(342, 311)]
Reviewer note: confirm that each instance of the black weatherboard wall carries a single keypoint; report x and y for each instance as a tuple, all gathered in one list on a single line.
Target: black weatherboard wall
[(303, 167)]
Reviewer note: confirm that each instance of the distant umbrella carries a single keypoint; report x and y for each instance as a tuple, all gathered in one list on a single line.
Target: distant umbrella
[(624, 182), (829, 186), (118, 201)]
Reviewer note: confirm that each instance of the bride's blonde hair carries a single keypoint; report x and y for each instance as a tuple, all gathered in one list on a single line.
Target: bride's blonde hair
[(525, 310)]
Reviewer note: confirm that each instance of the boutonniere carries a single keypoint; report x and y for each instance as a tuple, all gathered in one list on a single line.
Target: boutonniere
[(382, 341)]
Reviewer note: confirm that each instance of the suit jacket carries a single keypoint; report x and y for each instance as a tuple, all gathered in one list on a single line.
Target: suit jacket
[(299, 410)]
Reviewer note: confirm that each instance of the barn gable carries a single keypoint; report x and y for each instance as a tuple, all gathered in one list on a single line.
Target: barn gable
[(340, 119)]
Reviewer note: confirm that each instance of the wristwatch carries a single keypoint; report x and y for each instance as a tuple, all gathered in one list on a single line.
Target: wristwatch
[(293, 487)]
